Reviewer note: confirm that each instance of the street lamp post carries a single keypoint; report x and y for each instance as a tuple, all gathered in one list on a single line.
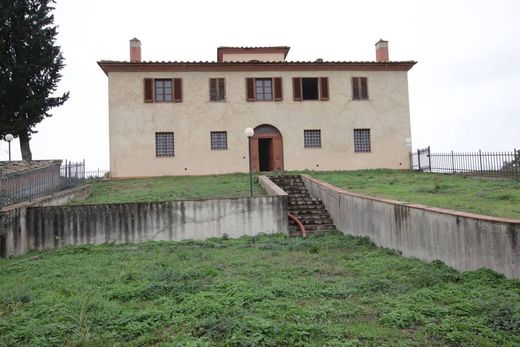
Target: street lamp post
[(249, 132), (9, 138)]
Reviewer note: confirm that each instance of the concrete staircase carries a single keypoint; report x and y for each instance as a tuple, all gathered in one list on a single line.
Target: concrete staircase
[(311, 212)]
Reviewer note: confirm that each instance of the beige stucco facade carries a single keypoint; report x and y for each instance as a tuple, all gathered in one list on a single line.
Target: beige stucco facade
[(133, 123), (247, 57)]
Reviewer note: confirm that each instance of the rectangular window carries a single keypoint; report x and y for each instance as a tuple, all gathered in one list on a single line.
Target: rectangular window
[(359, 88), (218, 140), (217, 89), (362, 140), (164, 144), (312, 138), (264, 89), (310, 88), (163, 90)]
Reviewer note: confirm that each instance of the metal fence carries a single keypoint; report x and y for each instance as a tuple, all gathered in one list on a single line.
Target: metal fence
[(26, 185), (498, 164), (97, 174)]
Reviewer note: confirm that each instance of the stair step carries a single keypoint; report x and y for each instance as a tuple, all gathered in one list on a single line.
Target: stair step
[(310, 211), (307, 222), (306, 211)]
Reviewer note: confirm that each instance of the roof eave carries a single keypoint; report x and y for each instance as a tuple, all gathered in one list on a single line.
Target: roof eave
[(118, 66)]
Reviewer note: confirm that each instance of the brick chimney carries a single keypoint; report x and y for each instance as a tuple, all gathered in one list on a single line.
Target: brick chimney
[(135, 50), (382, 50)]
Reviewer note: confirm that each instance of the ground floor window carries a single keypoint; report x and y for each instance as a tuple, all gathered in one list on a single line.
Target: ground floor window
[(362, 140), (218, 140), (312, 138), (164, 144)]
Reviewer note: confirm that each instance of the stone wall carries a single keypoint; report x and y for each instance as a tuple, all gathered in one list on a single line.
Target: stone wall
[(463, 241)]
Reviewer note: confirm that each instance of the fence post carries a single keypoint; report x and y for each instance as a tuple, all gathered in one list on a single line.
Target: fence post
[(429, 160), (452, 162), (516, 163), (418, 159), (480, 160)]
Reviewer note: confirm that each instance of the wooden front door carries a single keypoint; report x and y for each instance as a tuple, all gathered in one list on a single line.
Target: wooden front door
[(267, 149)]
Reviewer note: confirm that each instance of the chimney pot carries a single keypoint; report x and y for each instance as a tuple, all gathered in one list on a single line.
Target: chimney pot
[(135, 50), (382, 51)]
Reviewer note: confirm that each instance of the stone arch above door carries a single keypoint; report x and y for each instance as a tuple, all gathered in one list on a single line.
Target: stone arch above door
[(267, 148)]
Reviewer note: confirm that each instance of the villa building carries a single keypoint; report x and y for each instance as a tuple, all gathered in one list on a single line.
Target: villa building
[(188, 118)]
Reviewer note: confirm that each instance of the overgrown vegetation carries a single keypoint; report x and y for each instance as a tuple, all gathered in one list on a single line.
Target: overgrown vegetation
[(328, 290), (171, 188), (488, 196)]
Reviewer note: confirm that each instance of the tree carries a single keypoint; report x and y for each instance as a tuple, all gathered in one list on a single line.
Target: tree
[(30, 65)]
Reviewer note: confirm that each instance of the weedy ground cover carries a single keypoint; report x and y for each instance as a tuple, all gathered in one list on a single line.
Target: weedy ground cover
[(171, 188), (487, 196), (327, 290)]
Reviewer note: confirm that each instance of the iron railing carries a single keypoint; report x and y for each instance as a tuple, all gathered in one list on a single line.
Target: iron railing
[(498, 164), (97, 174), (22, 186)]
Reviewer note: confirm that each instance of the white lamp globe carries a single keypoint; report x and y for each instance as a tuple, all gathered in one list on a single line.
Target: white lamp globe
[(9, 137), (249, 132)]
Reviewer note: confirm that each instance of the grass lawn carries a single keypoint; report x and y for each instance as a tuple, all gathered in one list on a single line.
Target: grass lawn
[(329, 290), (171, 188), (488, 196)]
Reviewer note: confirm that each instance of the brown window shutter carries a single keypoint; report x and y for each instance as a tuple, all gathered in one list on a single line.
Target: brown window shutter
[(324, 88), (250, 89), (297, 88), (278, 95), (355, 88), (177, 90), (212, 89), (148, 90), (364, 88), (222, 89)]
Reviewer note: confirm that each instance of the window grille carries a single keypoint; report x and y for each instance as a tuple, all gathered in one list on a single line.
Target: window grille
[(362, 140), (218, 140), (312, 138), (164, 144)]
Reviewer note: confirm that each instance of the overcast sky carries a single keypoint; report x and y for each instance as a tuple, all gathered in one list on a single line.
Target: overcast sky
[(464, 91)]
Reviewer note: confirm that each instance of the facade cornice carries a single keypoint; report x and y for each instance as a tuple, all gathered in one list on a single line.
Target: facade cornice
[(162, 66)]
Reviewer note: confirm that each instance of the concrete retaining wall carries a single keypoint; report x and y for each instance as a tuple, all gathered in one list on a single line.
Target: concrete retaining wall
[(37, 228), (463, 241)]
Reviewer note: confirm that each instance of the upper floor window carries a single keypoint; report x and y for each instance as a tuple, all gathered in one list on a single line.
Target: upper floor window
[(217, 89), (362, 140), (264, 89), (164, 144), (218, 140), (359, 88), (310, 88), (162, 90)]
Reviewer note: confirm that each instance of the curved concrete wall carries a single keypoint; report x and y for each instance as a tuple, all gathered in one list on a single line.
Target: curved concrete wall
[(463, 241)]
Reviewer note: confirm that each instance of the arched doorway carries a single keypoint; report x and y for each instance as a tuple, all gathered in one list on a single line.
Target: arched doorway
[(267, 149)]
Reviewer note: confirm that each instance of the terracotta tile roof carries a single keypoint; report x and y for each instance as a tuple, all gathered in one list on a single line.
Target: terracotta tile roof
[(189, 66), (8, 168)]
